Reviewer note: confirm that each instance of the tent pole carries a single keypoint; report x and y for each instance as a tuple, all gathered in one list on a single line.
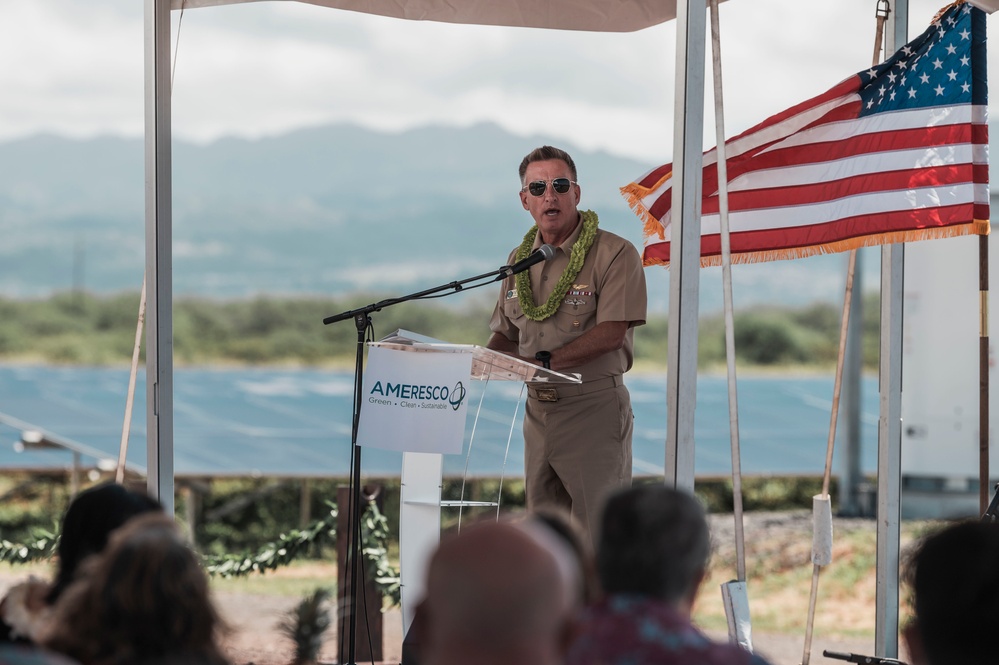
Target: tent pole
[(159, 210), (726, 254), (685, 239), (890, 415)]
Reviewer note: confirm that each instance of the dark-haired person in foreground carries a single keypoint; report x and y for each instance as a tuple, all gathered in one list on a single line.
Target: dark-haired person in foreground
[(652, 555), (954, 579), (575, 312), (88, 523)]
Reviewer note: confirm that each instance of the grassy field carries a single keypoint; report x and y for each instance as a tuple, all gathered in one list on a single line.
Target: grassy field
[(779, 575)]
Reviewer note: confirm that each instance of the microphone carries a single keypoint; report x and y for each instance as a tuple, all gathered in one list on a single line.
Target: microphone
[(542, 253)]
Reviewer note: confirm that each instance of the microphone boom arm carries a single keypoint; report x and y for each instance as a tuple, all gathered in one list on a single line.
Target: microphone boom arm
[(455, 287), (542, 253)]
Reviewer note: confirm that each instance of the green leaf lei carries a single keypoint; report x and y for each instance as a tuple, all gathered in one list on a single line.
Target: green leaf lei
[(579, 249)]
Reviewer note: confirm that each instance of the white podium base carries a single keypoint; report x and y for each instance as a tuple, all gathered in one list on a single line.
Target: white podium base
[(419, 526)]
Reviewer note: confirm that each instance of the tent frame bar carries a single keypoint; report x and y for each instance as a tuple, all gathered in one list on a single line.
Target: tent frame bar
[(159, 255), (685, 239)]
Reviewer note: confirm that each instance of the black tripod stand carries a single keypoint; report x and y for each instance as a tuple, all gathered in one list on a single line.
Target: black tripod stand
[(362, 322)]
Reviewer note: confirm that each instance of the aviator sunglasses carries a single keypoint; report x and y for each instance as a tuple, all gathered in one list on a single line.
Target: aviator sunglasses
[(538, 187)]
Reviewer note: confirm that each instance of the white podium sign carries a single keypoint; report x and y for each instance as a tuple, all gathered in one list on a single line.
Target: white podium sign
[(414, 402)]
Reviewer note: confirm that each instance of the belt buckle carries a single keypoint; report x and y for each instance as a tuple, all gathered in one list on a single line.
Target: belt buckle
[(546, 394)]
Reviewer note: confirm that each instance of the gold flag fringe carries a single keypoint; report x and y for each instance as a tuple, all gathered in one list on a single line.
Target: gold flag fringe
[(633, 194), (975, 227)]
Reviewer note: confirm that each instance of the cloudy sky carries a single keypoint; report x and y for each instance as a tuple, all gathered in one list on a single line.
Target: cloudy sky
[(262, 68)]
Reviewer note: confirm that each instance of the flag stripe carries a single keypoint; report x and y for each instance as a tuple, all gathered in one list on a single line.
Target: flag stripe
[(912, 201), (816, 236), (768, 180), (861, 165), (910, 119), (813, 192)]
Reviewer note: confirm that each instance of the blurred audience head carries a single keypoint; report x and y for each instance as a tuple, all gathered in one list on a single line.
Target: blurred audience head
[(954, 581), (560, 523), (498, 592), (89, 520), (654, 541), (145, 598)]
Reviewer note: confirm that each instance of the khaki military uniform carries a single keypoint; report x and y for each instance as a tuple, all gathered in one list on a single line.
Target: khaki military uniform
[(577, 441)]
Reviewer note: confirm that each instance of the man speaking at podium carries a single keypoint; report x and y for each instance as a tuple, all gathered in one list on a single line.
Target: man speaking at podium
[(573, 310)]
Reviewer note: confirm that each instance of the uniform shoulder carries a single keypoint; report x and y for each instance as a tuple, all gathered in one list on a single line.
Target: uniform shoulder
[(615, 245), (610, 237)]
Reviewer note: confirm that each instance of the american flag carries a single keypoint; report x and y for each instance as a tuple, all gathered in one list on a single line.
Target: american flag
[(895, 153)]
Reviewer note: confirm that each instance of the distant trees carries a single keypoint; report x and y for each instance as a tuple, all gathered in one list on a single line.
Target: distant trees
[(80, 328)]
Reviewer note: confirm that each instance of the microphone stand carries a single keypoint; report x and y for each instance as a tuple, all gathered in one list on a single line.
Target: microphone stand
[(859, 658), (991, 513), (362, 321)]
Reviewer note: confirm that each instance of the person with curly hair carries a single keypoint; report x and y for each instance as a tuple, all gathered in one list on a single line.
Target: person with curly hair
[(144, 600), (90, 519)]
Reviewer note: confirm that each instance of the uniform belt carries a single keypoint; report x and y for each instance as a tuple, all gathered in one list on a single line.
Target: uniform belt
[(553, 393)]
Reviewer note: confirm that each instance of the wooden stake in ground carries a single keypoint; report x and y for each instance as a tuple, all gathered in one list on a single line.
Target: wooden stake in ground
[(821, 506), (126, 426)]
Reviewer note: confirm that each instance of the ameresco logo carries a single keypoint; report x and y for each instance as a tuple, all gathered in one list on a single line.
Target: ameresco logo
[(410, 391), (417, 396)]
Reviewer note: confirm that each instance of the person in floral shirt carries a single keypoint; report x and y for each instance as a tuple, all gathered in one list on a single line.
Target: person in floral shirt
[(652, 555)]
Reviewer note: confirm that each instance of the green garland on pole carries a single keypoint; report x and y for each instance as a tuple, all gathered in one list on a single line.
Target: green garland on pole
[(43, 548), (290, 546), (272, 555)]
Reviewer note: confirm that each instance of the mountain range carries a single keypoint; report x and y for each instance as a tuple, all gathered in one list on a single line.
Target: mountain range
[(330, 210)]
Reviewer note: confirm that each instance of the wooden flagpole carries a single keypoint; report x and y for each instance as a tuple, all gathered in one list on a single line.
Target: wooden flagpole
[(726, 252), (734, 593), (983, 374), (123, 447)]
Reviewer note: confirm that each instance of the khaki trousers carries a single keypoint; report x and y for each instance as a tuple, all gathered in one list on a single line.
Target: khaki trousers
[(576, 451)]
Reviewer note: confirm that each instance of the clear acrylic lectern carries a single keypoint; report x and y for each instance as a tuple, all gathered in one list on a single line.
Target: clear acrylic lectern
[(422, 473)]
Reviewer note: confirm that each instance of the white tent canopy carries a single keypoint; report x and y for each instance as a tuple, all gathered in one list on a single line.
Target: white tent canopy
[(592, 15)]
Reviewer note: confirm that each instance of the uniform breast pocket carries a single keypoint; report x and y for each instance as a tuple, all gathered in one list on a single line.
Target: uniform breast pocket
[(575, 316), (512, 310)]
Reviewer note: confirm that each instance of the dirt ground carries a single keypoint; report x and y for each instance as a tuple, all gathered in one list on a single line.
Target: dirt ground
[(256, 640), (774, 540)]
